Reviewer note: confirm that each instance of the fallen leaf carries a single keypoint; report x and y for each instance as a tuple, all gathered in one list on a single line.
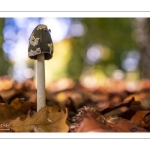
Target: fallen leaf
[(22, 106), (30, 95), (123, 125), (130, 103), (143, 98), (142, 118), (89, 120), (7, 112), (118, 111), (139, 116), (7, 95), (16, 109), (47, 119), (90, 124), (146, 122)]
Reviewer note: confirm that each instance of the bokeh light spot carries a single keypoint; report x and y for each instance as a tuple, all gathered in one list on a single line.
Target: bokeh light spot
[(94, 54), (28, 73)]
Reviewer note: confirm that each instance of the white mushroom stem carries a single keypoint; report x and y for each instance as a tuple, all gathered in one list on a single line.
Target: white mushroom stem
[(41, 100)]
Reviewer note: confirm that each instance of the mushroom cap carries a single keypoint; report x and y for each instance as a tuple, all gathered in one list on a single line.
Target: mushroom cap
[(40, 42)]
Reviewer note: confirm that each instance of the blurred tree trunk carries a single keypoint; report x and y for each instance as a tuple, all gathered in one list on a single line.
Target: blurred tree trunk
[(143, 39), (4, 64)]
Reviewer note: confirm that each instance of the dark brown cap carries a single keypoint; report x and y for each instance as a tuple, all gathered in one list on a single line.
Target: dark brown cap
[(40, 42)]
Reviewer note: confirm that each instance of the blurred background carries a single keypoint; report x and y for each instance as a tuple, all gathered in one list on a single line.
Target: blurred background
[(88, 51)]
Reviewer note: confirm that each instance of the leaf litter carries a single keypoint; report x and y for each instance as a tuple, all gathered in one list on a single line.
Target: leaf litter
[(74, 109)]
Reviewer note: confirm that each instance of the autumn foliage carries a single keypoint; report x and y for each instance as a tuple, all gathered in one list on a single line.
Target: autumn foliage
[(74, 108)]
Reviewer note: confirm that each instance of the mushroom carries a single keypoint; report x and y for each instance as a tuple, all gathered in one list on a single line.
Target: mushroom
[(40, 48)]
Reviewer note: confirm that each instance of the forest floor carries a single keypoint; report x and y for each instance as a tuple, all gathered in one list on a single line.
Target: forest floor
[(114, 107)]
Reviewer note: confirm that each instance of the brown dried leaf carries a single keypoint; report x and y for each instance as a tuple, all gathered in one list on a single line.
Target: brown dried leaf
[(118, 111), (123, 125), (7, 112), (8, 94), (90, 124), (142, 118), (143, 98), (47, 119), (17, 108), (89, 120), (22, 106), (146, 121), (139, 116), (30, 95), (130, 103)]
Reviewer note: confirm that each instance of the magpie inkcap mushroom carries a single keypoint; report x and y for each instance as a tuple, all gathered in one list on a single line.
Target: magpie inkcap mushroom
[(40, 42), (41, 49)]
